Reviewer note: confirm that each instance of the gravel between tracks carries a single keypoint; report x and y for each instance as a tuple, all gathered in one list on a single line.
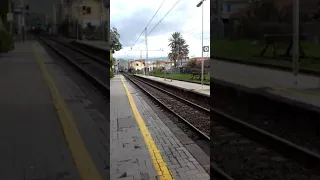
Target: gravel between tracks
[(197, 99), (195, 117), (245, 159), (302, 129), (235, 154)]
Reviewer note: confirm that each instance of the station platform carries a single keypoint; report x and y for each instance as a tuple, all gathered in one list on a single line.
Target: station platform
[(280, 83), (143, 146), (182, 84), (48, 129)]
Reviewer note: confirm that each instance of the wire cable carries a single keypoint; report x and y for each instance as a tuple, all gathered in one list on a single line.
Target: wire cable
[(161, 20), (164, 17), (155, 13), (149, 22)]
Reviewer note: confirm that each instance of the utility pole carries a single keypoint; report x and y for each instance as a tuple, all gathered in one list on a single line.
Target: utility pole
[(202, 60), (54, 24), (146, 51), (23, 32), (296, 50), (70, 13), (78, 15), (10, 12), (220, 29), (102, 21)]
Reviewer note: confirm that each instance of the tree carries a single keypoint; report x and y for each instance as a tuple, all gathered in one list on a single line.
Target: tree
[(179, 48), (192, 63), (115, 44)]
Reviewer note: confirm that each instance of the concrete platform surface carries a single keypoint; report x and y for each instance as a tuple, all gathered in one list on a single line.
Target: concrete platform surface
[(49, 128), (182, 84), (142, 146), (281, 83), (33, 143)]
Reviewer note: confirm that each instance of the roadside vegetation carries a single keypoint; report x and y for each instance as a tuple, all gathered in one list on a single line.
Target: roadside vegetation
[(6, 40), (179, 51), (181, 77), (249, 30), (115, 45)]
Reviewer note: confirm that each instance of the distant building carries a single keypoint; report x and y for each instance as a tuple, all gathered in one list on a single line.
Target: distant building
[(137, 64), (163, 64), (182, 62), (89, 12)]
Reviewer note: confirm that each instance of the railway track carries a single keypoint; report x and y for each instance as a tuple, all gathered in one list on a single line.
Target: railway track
[(195, 116), (234, 151), (193, 96), (283, 118), (94, 68), (238, 145)]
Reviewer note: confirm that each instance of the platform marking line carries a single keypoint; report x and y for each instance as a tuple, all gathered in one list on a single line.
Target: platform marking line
[(158, 162), (81, 157)]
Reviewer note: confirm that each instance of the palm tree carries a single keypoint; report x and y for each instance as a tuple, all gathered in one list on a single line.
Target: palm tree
[(179, 48)]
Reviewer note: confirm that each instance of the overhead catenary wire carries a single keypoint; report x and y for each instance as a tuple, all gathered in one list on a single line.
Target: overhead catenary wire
[(162, 20), (149, 22), (164, 17), (197, 33), (192, 30), (193, 34), (188, 32)]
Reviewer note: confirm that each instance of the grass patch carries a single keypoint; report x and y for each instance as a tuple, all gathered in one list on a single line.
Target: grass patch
[(246, 51), (181, 77)]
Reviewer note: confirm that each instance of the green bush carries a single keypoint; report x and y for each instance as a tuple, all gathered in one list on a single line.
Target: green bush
[(111, 64), (111, 74), (6, 41), (132, 71)]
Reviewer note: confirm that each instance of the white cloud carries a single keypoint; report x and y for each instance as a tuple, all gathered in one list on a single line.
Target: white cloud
[(186, 16)]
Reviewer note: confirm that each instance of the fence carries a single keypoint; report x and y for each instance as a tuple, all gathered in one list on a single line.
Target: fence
[(256, 30)]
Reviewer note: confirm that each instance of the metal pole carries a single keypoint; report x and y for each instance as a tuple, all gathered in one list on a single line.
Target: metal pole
[(54, 19), (146, 51), (165, 71), (78, 15), (9, 11), (23, 22), (171, 70), (202, 61), (102, 22), (295, 52)]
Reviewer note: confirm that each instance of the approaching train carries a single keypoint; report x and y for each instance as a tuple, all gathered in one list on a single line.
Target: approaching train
[(37, 30)]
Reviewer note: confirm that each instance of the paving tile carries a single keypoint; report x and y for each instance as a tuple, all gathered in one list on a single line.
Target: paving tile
[(127, 139)]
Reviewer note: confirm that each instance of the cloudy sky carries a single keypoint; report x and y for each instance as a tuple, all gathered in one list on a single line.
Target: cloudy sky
[(131, 17)]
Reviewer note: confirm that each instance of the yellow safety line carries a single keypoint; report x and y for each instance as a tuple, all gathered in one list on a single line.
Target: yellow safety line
[(81, 157), (158, 162)]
